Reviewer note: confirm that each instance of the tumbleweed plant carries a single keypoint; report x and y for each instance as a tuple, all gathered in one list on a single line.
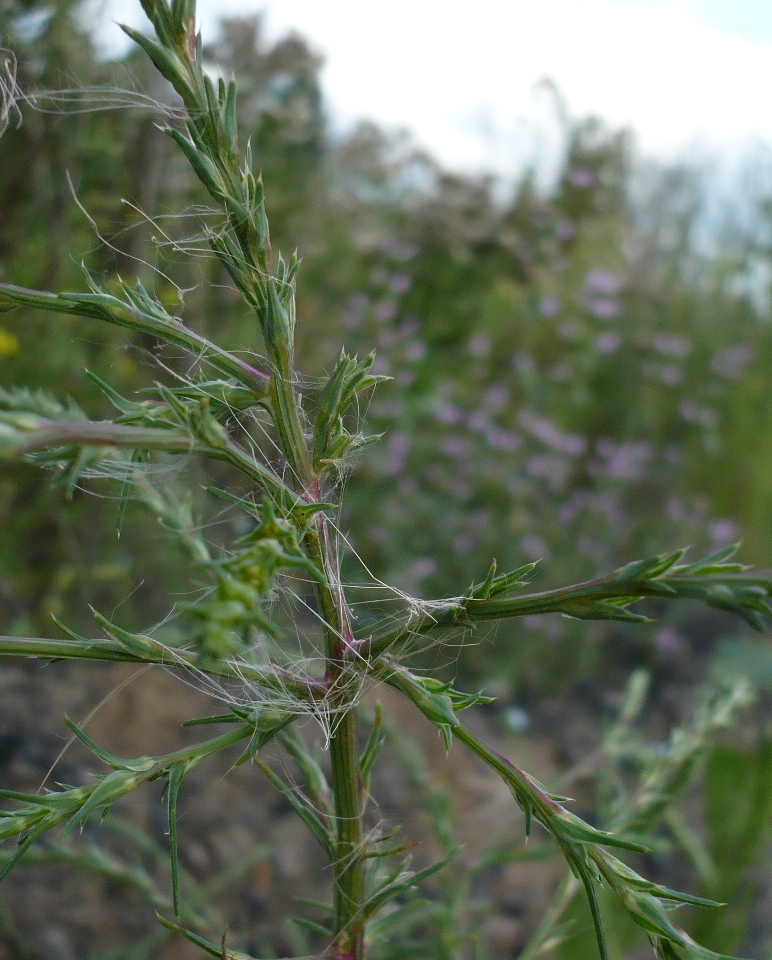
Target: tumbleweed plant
[(286, 444)]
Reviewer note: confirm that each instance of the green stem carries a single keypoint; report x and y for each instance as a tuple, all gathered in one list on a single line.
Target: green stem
[(286, 416), (744, 594), (213, 152), (112, 310), (112, 651), (348, 865), (37, 434)]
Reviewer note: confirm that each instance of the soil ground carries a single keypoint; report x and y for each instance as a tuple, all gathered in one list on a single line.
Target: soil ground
[(234, 825)]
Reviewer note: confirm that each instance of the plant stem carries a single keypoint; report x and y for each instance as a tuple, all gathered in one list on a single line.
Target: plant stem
[(348, 929), (347, 787), (273, 678)]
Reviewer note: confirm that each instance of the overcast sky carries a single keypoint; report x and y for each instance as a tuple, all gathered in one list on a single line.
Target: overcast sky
[(463, 76)]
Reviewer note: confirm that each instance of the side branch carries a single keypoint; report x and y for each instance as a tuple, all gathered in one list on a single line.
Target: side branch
[(142, 651), (24, 434), (714, 581), (138, 311)]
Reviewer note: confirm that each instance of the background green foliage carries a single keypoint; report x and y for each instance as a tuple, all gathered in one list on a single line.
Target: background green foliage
[(581, 372)]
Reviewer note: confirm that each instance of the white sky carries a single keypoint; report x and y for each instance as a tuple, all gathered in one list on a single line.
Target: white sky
[(462, 74)]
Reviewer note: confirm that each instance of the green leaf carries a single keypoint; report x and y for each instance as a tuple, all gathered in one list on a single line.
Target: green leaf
[(648, 569), (132, 642), (109, 790), (323, 834), (207, 946), (23, 846), (141, 765), (177, 773), (401, 881), (373, 747), (431, 698)]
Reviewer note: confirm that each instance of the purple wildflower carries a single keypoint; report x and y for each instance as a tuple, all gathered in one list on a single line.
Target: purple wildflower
[(479, 345), (723, 532), (549, 306), (604, 282), (731, 361), (672, 346), (608, 342), (581, 177)]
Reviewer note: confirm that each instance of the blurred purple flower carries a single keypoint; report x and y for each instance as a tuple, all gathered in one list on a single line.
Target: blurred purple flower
[(552, 436), (568, 512), (573, 444), (387, 338), (581, 177), (415, 350), (603, 282), (397, 448), (672, 346), (449, 413), (496, 397), (548, 467), (671, 375), (478, 520), (610, 506), (355, 310), (676, 509), (549, 306), (380, 366), (608, 342), (459, 489), (479, 345), (533, 547), (693, 413), (501, 439), (723, 532), (409, 327), (463, 543), (522, 362), (603, 309), (565, 229), (401, 283), (400, 250), (385, 311), (455, 446), (668, 640), (625, 460), (731, 361), (423, 568), (597, 295), (478, 420), (559, 373)]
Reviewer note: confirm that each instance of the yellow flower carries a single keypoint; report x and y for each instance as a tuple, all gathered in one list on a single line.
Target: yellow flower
[(9, 345)]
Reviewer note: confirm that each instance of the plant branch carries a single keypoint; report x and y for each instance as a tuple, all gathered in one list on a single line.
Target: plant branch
[(713, 581), (141, 312), (115, 651)]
